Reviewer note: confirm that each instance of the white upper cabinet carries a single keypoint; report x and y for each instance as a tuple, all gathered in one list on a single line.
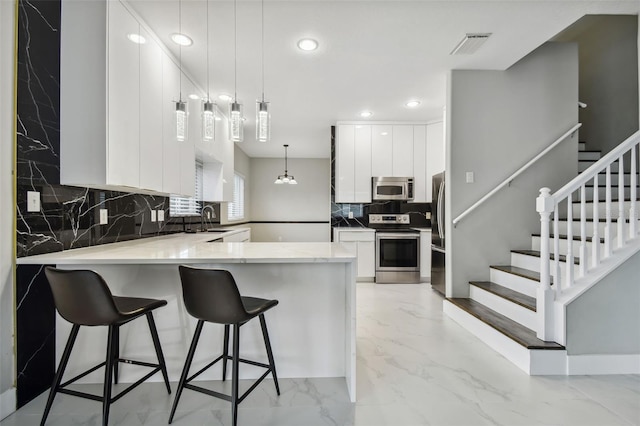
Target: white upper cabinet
[(353, 164), (123, 111), (117, 128), (381, 150), (151, 109), (420, 181), (402, 158)]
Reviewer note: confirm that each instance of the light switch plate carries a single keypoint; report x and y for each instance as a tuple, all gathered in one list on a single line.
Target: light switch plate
[(470, 177), (160, 215), (350, 215), (33, 201), (153, 215), (104, 216)]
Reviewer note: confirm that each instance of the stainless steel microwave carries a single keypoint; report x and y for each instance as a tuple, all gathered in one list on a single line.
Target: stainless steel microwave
[(392, 188)]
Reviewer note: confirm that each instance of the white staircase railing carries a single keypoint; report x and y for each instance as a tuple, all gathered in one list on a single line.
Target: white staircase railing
[(550, 207)]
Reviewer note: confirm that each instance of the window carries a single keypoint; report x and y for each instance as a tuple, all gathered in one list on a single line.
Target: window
[(236, 207), (188, 206)]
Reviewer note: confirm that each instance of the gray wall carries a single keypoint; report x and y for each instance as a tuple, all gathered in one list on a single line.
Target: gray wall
[(606, 319), (308, 201), (7, 209), (496, 122), (608, 52)]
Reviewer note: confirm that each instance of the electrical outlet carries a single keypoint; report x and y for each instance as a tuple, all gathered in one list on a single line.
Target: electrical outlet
[(160, 215), (33, 201), (350, 215), (469, 177), (427, 215), (153, 216), (104, 216)]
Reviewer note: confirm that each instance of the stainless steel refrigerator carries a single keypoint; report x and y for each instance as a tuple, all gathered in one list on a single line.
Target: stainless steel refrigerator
[(438, 234)]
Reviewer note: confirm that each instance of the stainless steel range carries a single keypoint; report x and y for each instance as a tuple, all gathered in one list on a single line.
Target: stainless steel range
[(397, 249)]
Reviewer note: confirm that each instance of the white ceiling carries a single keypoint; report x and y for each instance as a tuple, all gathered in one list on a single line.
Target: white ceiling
[(373, 55)]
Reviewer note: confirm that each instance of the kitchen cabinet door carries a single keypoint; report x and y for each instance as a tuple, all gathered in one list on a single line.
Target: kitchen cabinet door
[(123, 111), (366, 259), (345, 164), (402, 156), (362, 164), (381, 150), (435, 153), (425, 256), (151, 106), (171, 150), (187, 147), (420, 164)]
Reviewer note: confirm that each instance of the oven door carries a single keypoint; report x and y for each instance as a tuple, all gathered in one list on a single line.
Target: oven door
[(397, 251)]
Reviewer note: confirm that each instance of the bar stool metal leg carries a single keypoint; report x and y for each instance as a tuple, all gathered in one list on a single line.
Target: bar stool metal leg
[(108, 372), (156, 344), (225, 352), (58, 377), (267, 344), (185, 370), (116, 353), (234, 373)]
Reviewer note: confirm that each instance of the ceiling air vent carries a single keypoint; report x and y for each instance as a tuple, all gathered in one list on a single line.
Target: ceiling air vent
[(470, 43)]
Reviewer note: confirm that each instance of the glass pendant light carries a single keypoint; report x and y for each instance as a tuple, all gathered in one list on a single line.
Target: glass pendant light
[(208, 107), (286, 178), (181, 112), (263, 118), (236, 121)]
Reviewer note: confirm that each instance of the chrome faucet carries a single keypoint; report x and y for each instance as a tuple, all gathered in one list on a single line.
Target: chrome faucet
[(213, 215)]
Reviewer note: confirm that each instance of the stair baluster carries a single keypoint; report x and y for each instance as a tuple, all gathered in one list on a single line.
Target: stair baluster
[(583, 232), (633, 215), (607, 213), (569, 259), (596, 224), (621, 235)]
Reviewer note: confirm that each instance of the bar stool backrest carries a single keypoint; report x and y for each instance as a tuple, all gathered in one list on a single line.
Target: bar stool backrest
[(82, 297), (212, 295)]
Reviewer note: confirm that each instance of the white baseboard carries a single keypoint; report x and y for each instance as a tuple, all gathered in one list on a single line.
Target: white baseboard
[(603, 364), (7, 402)]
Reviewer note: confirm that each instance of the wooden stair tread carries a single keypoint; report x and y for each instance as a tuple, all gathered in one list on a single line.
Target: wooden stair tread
[(521, 272), (506, 293), (600, 220), (626, 200), (536, 253), (518, 333), (575, 237)]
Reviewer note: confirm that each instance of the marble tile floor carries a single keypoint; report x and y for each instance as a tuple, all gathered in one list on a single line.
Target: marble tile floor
[(415, 367)]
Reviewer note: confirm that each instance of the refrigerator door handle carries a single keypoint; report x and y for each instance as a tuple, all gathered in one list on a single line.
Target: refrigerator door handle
[(440, 210)]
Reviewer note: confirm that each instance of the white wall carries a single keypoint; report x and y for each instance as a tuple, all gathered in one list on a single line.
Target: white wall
[(496, 122), (7, 207), (606, 319), (310, 200)]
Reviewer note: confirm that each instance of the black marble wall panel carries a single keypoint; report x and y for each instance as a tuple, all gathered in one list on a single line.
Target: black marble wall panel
[(69, 216)]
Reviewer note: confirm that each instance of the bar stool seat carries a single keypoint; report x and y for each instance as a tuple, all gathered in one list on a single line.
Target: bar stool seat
[(211, 295), (83, 298)]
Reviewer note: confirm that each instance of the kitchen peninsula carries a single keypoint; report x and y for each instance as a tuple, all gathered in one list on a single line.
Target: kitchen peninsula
[(312, 330)]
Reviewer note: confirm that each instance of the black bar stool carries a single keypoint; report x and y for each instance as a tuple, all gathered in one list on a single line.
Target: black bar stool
[(83, 298), (212, 295)]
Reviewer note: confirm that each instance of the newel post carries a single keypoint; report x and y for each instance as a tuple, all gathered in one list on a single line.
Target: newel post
[(545, 295)]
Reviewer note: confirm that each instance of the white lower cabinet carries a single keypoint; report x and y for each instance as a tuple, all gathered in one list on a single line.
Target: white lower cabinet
[(242, 237), (363, 244), (425, 256)]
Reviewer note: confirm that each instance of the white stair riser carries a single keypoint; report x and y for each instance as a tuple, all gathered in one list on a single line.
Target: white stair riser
[(533, 263), (602, 193), (585, 164), (589, 155), (602, 209), (575, 226), (513, 311), (513, 282), (535, 245)]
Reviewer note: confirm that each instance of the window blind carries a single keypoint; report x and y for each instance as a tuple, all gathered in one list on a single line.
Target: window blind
[(188, 206), (236, 207)]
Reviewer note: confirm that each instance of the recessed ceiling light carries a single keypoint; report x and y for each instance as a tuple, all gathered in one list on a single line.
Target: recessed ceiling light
[(384, 133), (181, 39), (194, 96), (218, 118), (307, 44), (224, 97), (412, 104), (136, 38), (365, 114)]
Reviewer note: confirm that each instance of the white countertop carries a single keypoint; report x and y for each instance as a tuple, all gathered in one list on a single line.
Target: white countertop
[(195, 248)]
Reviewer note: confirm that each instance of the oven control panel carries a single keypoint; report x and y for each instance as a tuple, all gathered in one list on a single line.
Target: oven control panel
[(389, 219)]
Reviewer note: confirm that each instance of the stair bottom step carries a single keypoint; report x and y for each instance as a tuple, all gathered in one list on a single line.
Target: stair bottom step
[(518, 333)]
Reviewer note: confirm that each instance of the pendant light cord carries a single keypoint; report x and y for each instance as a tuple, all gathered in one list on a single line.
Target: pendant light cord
[(208, 94), (235, 52), (285, 159), (179, 45), (262, 50)]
